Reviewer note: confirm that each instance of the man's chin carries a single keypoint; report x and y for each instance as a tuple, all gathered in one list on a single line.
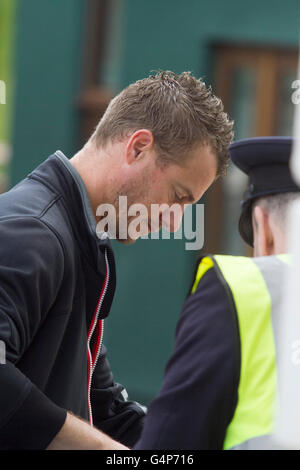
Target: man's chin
[(126, 241)]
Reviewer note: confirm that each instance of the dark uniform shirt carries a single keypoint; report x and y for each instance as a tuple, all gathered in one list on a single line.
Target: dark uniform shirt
[(198, 396)]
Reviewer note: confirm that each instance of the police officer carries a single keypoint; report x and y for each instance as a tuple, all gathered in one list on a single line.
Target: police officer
[(219, 388)]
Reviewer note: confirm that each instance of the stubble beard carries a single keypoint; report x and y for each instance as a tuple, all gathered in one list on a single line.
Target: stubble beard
[(136, 194)]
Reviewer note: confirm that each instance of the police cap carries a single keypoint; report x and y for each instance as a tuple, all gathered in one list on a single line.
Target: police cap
[(266, 162)]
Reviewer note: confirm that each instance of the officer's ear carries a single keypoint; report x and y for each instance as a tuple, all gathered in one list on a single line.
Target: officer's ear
[(263, 237)]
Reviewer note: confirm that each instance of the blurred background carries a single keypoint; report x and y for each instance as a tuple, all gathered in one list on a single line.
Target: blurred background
[(62, 61)]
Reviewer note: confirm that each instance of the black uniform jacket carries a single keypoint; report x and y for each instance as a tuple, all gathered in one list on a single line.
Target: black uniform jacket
[(198, 396), (57, 281)]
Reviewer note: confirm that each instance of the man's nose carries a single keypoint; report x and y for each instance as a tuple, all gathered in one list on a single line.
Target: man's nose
[(172, 217)]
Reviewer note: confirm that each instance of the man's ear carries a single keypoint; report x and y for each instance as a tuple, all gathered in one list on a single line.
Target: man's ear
[(138, 142), (262, 232)]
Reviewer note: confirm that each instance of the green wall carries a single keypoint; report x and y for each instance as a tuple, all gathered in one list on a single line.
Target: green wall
[(177, 34), (153, 276), (48, 59)]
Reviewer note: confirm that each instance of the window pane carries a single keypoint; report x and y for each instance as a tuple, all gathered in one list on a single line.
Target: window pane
[(243, 101), (241, 108)]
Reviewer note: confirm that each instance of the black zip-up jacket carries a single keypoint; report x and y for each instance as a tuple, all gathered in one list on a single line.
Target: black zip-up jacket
[(57, 281)]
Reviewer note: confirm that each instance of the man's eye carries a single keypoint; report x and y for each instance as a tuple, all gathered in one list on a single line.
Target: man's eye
[(178, 198)]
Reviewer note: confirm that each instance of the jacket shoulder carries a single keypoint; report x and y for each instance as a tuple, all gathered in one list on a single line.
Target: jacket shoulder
[(28, 198)]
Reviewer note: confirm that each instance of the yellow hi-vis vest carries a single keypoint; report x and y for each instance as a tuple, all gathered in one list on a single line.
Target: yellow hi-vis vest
[(254, 286)]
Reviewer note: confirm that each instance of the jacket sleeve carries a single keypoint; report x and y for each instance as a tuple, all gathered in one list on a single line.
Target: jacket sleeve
[(113, 413), (199, 391), (31, 270)]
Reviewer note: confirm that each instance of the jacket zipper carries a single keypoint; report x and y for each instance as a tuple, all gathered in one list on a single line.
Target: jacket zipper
[(91, 363)]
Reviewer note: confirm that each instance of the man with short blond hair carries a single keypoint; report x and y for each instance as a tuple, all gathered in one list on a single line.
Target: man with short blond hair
[(163, 139)]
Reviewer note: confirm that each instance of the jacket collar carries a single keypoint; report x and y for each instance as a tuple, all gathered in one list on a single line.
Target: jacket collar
[(86, 204), (59, 175)]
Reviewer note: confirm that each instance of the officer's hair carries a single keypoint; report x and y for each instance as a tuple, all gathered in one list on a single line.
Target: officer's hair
[(179, 110), (277, 205)]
